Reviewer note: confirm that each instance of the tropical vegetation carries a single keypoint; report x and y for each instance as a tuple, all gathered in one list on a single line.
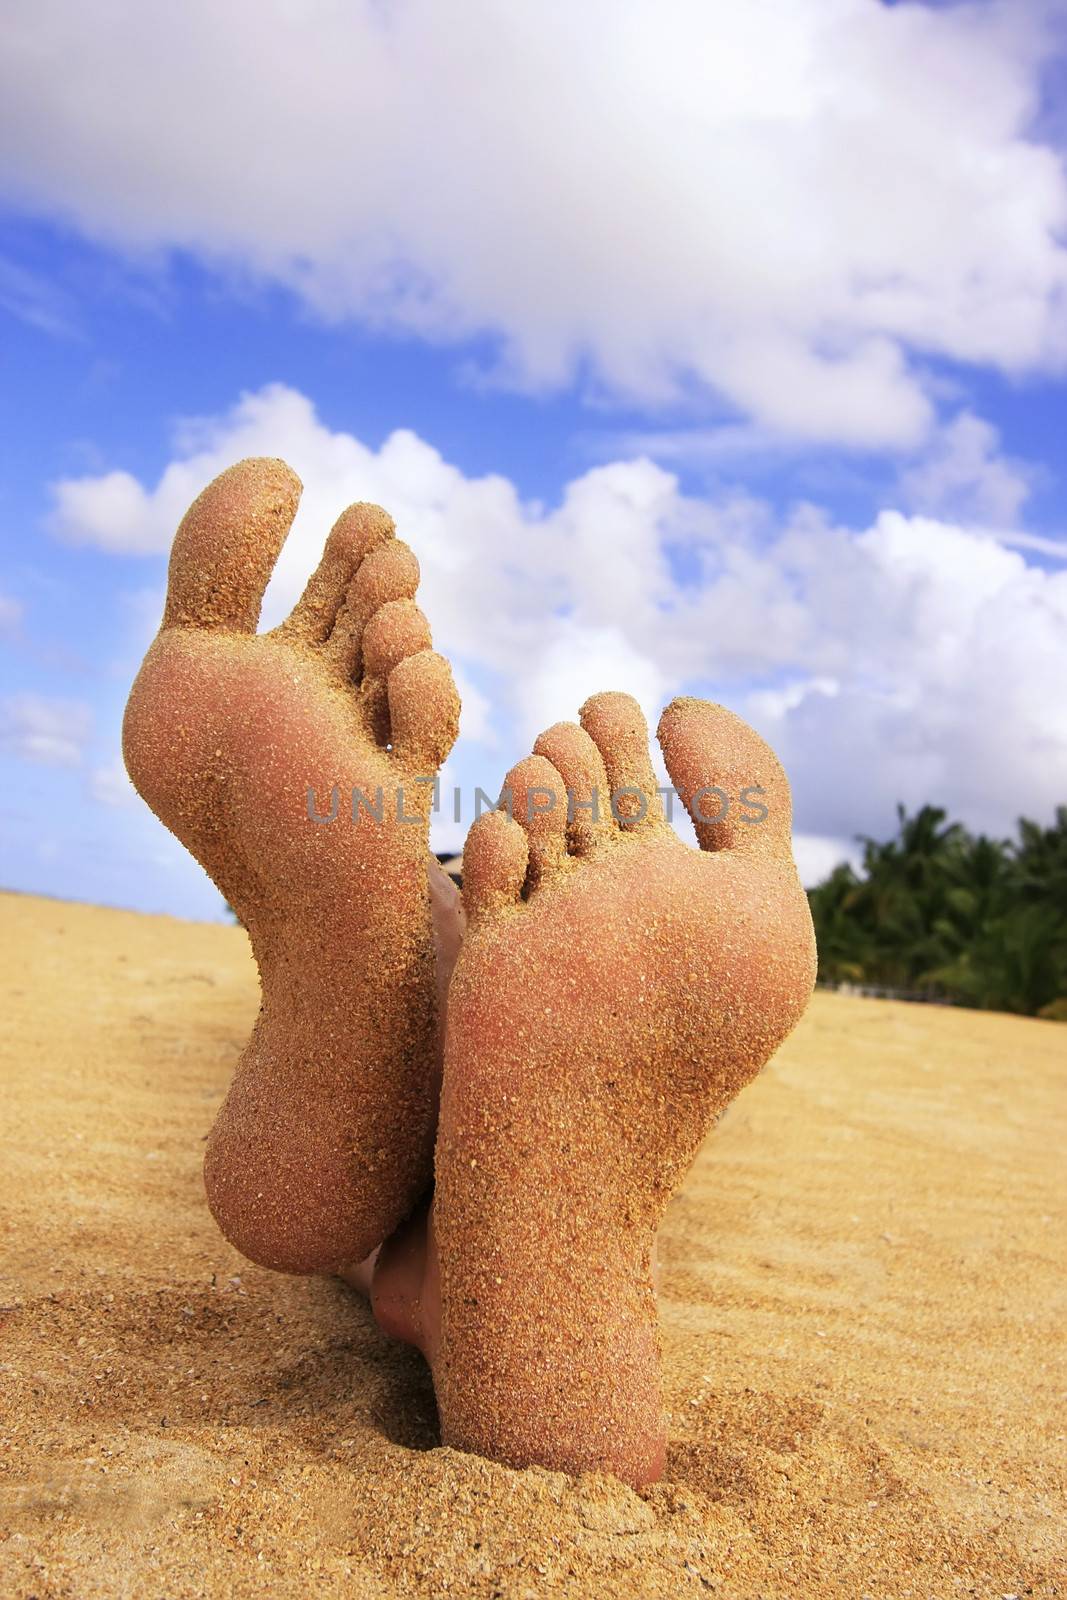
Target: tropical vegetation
[(940, 913)]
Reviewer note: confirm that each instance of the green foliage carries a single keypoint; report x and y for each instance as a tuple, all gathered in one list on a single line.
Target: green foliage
[(980, 922)]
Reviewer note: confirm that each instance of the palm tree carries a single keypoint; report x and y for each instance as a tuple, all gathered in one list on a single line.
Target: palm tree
[(977, 921)]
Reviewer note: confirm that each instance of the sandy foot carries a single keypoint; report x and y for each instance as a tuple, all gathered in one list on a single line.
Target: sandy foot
[(324, 1142), (614, 992)]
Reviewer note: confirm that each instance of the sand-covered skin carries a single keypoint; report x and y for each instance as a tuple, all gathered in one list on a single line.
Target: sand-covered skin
[(597, 1027), (325, 1140), (862, 1309)]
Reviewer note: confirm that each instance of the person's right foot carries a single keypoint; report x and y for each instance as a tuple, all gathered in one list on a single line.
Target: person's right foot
[(324, 1143), (614, 991)]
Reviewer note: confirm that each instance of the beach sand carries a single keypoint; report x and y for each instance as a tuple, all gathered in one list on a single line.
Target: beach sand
[(862, 1307)]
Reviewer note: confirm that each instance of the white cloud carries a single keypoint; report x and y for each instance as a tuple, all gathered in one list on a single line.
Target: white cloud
[(111, 785), (41, 729), (965, 476), (772, 704), (477, 725), (776, 206), (1057, 548), (817, 857), (576, 661), (111, 511), (949, 656), (914, 660)]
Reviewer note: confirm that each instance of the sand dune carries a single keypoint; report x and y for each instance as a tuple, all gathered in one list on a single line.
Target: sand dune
[(861, 1295)]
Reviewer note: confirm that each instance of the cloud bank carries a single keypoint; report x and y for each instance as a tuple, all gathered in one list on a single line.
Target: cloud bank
[(911, 660), (779, 210)]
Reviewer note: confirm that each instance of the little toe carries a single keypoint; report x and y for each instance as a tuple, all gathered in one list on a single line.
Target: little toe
[(226, 546), (423, 711), (729, 779), (495, 860), (389, 572), (360, 529), (616, 724), (536, 797), (581, 766)]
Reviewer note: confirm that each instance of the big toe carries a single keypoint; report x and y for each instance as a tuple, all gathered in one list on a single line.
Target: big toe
[(729, 779), (226, 546)]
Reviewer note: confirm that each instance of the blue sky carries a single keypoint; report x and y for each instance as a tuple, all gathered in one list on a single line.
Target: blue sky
[(742, 373)]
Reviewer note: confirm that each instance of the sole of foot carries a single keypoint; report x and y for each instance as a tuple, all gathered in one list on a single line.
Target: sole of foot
[(615, 990), (239, 741)]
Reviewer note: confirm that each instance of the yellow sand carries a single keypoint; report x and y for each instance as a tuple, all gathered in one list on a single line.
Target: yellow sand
[(861, 1300)]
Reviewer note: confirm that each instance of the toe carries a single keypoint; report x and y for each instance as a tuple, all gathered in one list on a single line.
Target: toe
[(536, 797), (359, 530), (389, 572), (730, 781), (395, 632), (616, 724), (581, 766), (423, 711), (225, 549), (494, 864)]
